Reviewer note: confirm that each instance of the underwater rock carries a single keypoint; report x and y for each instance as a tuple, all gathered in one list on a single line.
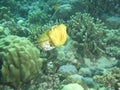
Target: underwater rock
[(89, 82), (102, 88), (85, 72), (20, 22), (104, 62), (19, 61), (76, 78), (66, 70), (99, 67), (113, 22), (73, 86), (102, 65), (66, 53)]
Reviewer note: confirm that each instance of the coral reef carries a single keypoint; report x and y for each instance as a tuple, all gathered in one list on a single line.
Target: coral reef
[(110, 79), (112, 42), (88, 32), (67, 54), (19, 61), (88, 49), (66, 70), (76, 78)]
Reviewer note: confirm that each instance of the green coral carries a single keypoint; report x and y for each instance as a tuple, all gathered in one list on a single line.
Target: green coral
[(19, 61), (109, 79), (112, 42), (88, 32)]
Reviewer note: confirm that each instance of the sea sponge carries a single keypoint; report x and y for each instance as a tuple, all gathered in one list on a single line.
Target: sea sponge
[(58, 34), (19, 60), (54, 37)]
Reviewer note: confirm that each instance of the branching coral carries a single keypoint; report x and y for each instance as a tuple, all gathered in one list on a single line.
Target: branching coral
[(112, 41), (88, 32), (109, 79)]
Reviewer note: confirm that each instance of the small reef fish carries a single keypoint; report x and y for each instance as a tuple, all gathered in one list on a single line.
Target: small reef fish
[(52, 38)]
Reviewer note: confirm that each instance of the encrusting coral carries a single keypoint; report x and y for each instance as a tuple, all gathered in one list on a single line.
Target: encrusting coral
[(19, 61)]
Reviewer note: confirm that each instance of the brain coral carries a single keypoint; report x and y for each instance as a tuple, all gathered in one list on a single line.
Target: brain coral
[(19, 60)]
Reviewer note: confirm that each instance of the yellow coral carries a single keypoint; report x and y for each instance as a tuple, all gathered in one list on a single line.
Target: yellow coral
[(55, 37)]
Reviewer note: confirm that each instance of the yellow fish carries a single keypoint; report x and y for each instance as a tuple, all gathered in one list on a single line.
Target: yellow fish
[(55, 37)]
